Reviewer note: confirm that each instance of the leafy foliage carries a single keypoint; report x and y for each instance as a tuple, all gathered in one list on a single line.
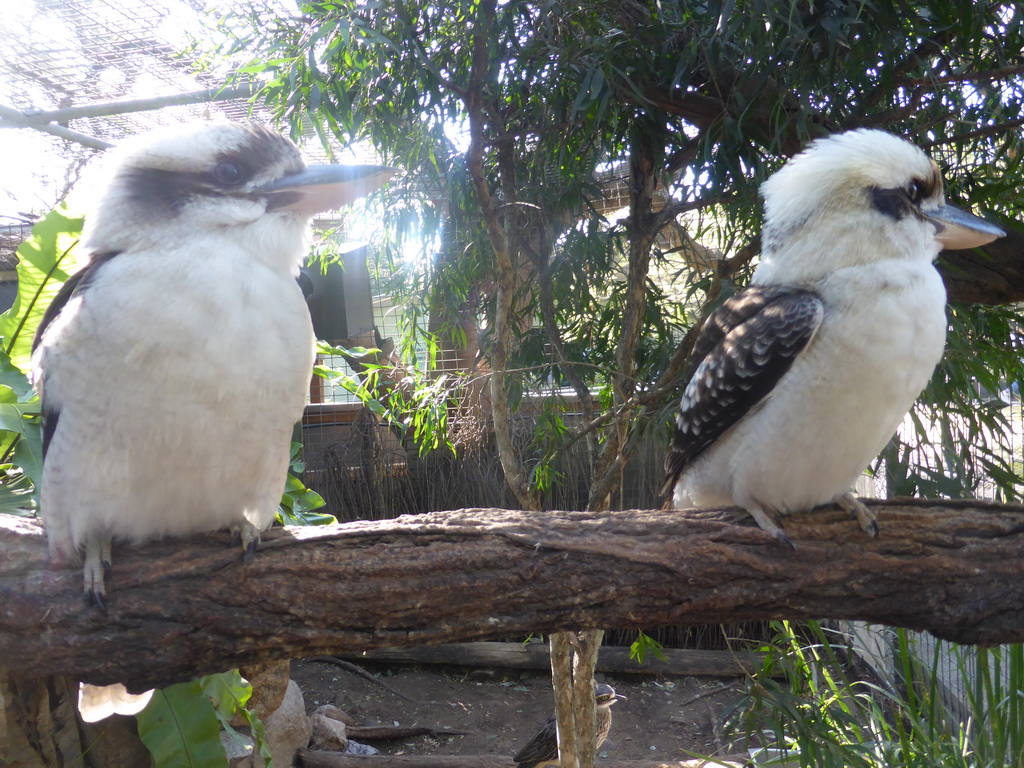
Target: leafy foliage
[(180, 725), (567, 97), (44, 262), (806, 703), (643, 645), (299, 502)]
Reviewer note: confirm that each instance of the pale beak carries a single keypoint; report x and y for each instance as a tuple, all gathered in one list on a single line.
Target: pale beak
[(324, 187), (959, 229)]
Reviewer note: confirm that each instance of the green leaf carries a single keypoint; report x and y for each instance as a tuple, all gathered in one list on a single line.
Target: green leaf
[(28, 455), (298, 501), (45, 261), (180, 728), (21, 440), (227, 691), (13, 377), (16, 493), (13, 415), (643, 645)]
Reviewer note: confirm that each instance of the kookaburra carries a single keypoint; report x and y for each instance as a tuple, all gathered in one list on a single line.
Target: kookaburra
[(173, 367), (798, 381)]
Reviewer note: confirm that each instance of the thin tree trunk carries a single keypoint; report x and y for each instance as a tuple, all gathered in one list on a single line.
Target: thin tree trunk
[(561, 682), (515, 473)]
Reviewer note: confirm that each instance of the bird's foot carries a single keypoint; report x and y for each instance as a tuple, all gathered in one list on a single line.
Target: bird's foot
[(858, 510), (768, 523), (248, 535), (97, 568)]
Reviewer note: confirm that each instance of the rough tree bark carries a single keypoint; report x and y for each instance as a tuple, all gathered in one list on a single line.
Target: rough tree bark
[(990, 275), (180, 609)]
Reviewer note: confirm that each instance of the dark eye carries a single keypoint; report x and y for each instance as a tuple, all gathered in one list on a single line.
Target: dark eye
[(228, 174), (918, 190)]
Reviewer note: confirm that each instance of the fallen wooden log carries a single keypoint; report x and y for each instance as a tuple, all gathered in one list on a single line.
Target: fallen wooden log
[(681, 662), (311, 758), (391, 732)]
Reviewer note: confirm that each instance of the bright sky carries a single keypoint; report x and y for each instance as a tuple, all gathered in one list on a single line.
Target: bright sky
[(34, 165)]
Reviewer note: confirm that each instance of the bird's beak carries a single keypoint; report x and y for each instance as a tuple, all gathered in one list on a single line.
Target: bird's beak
[(959, 229), (324, 187)]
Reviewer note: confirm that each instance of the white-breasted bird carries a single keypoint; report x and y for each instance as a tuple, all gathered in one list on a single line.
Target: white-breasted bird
[(173, 367), (797, 382)]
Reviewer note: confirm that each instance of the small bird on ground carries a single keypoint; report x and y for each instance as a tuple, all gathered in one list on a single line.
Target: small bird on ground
[(173, 367), (542, 749), (797, 382)]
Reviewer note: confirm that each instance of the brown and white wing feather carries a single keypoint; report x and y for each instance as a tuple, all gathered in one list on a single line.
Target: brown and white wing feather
[(741, 354), (541, 749)]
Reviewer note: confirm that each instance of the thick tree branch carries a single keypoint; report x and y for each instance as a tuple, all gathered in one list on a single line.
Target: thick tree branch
[(990, 275), (182, 609)]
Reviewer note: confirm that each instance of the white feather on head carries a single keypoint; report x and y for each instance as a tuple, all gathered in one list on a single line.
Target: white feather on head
[(819, 214)]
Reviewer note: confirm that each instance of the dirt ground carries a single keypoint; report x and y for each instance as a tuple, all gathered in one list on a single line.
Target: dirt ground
[(502, 709)]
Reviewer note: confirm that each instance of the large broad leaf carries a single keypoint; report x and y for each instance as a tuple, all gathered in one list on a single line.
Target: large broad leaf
[(44, 262), (21, 441), (298, 501), (16, 492), (180, 728), (19, 424)]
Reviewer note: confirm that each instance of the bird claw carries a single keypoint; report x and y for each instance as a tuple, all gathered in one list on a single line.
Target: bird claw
[(768, 524), (246, 534), (250, 551), (97, 568), (783, 539), (858, 510), (95, 598)]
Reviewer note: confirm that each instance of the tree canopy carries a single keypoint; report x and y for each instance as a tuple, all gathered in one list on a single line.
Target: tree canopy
[(510, 118)]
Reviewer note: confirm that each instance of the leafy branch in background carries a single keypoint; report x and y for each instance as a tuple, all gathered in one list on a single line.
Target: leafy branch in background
[(510, 140), (406, 398), (809, 706), (643, 645), (44, 262)]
